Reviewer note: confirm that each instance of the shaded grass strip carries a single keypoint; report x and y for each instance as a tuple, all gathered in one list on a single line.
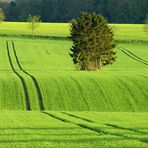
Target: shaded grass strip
[(29, 36)]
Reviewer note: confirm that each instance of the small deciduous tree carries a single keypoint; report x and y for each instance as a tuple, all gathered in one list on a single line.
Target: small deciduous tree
[(93, 42), (34, 22), (2, 15)]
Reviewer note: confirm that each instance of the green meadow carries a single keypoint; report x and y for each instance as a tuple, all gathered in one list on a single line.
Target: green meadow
[(46, 102), (45, 30), (79, 129)]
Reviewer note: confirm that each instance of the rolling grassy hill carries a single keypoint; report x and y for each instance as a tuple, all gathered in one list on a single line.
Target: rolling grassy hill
[(39, 76), (48, 79)]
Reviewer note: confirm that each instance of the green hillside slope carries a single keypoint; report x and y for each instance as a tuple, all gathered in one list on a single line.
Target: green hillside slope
[(120, 87)]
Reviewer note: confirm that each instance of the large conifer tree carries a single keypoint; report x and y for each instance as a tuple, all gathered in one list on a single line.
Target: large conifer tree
[(93, 42)]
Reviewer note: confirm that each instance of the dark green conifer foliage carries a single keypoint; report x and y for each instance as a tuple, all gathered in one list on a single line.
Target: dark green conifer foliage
[(146, 24), (2, 15), (93, 42)]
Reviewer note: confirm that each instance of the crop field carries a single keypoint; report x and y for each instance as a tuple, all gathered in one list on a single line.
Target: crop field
[(49, 30), (66, 129), (46, 102), (45, 67)]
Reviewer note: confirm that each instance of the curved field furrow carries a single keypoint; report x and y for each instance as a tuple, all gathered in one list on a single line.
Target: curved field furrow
[(144, 96), (59, 95), (95, 127), (21, 78), (110, 85), (126, 94), (74, 115), (11, 90), (37, 87), (101, 97), (29, 90), (82, 92), (105, 85), (63, 104), (135, 55), (140, 91), (114, 120), (102, 94), (9, 99), (69, 94), (114, 91), (123, 96)]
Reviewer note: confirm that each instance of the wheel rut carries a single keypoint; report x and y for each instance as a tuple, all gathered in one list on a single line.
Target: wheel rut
[(36, 84), (88, 120), (28, 107), (96, 129), (133, 56)]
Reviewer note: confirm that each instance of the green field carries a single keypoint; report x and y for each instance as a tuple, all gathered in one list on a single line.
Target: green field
[(107, 108), (122, 31), (79, 129), (114, 88)]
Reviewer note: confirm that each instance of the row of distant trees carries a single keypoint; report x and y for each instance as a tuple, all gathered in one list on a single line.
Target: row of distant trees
[(34, 21), (116, 11), (92, 37)]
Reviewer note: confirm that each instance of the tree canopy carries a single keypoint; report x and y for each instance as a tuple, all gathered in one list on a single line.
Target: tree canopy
[(93, 42), (115, 11)]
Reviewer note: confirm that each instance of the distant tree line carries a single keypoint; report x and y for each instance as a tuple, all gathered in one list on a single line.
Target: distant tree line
[(115, 11)]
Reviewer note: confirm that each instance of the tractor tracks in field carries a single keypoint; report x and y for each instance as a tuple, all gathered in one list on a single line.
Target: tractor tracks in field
[(92, 126), (82, 118), (34, 80), (106, 124), (20, 77), (133, 56), (36, 84)]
